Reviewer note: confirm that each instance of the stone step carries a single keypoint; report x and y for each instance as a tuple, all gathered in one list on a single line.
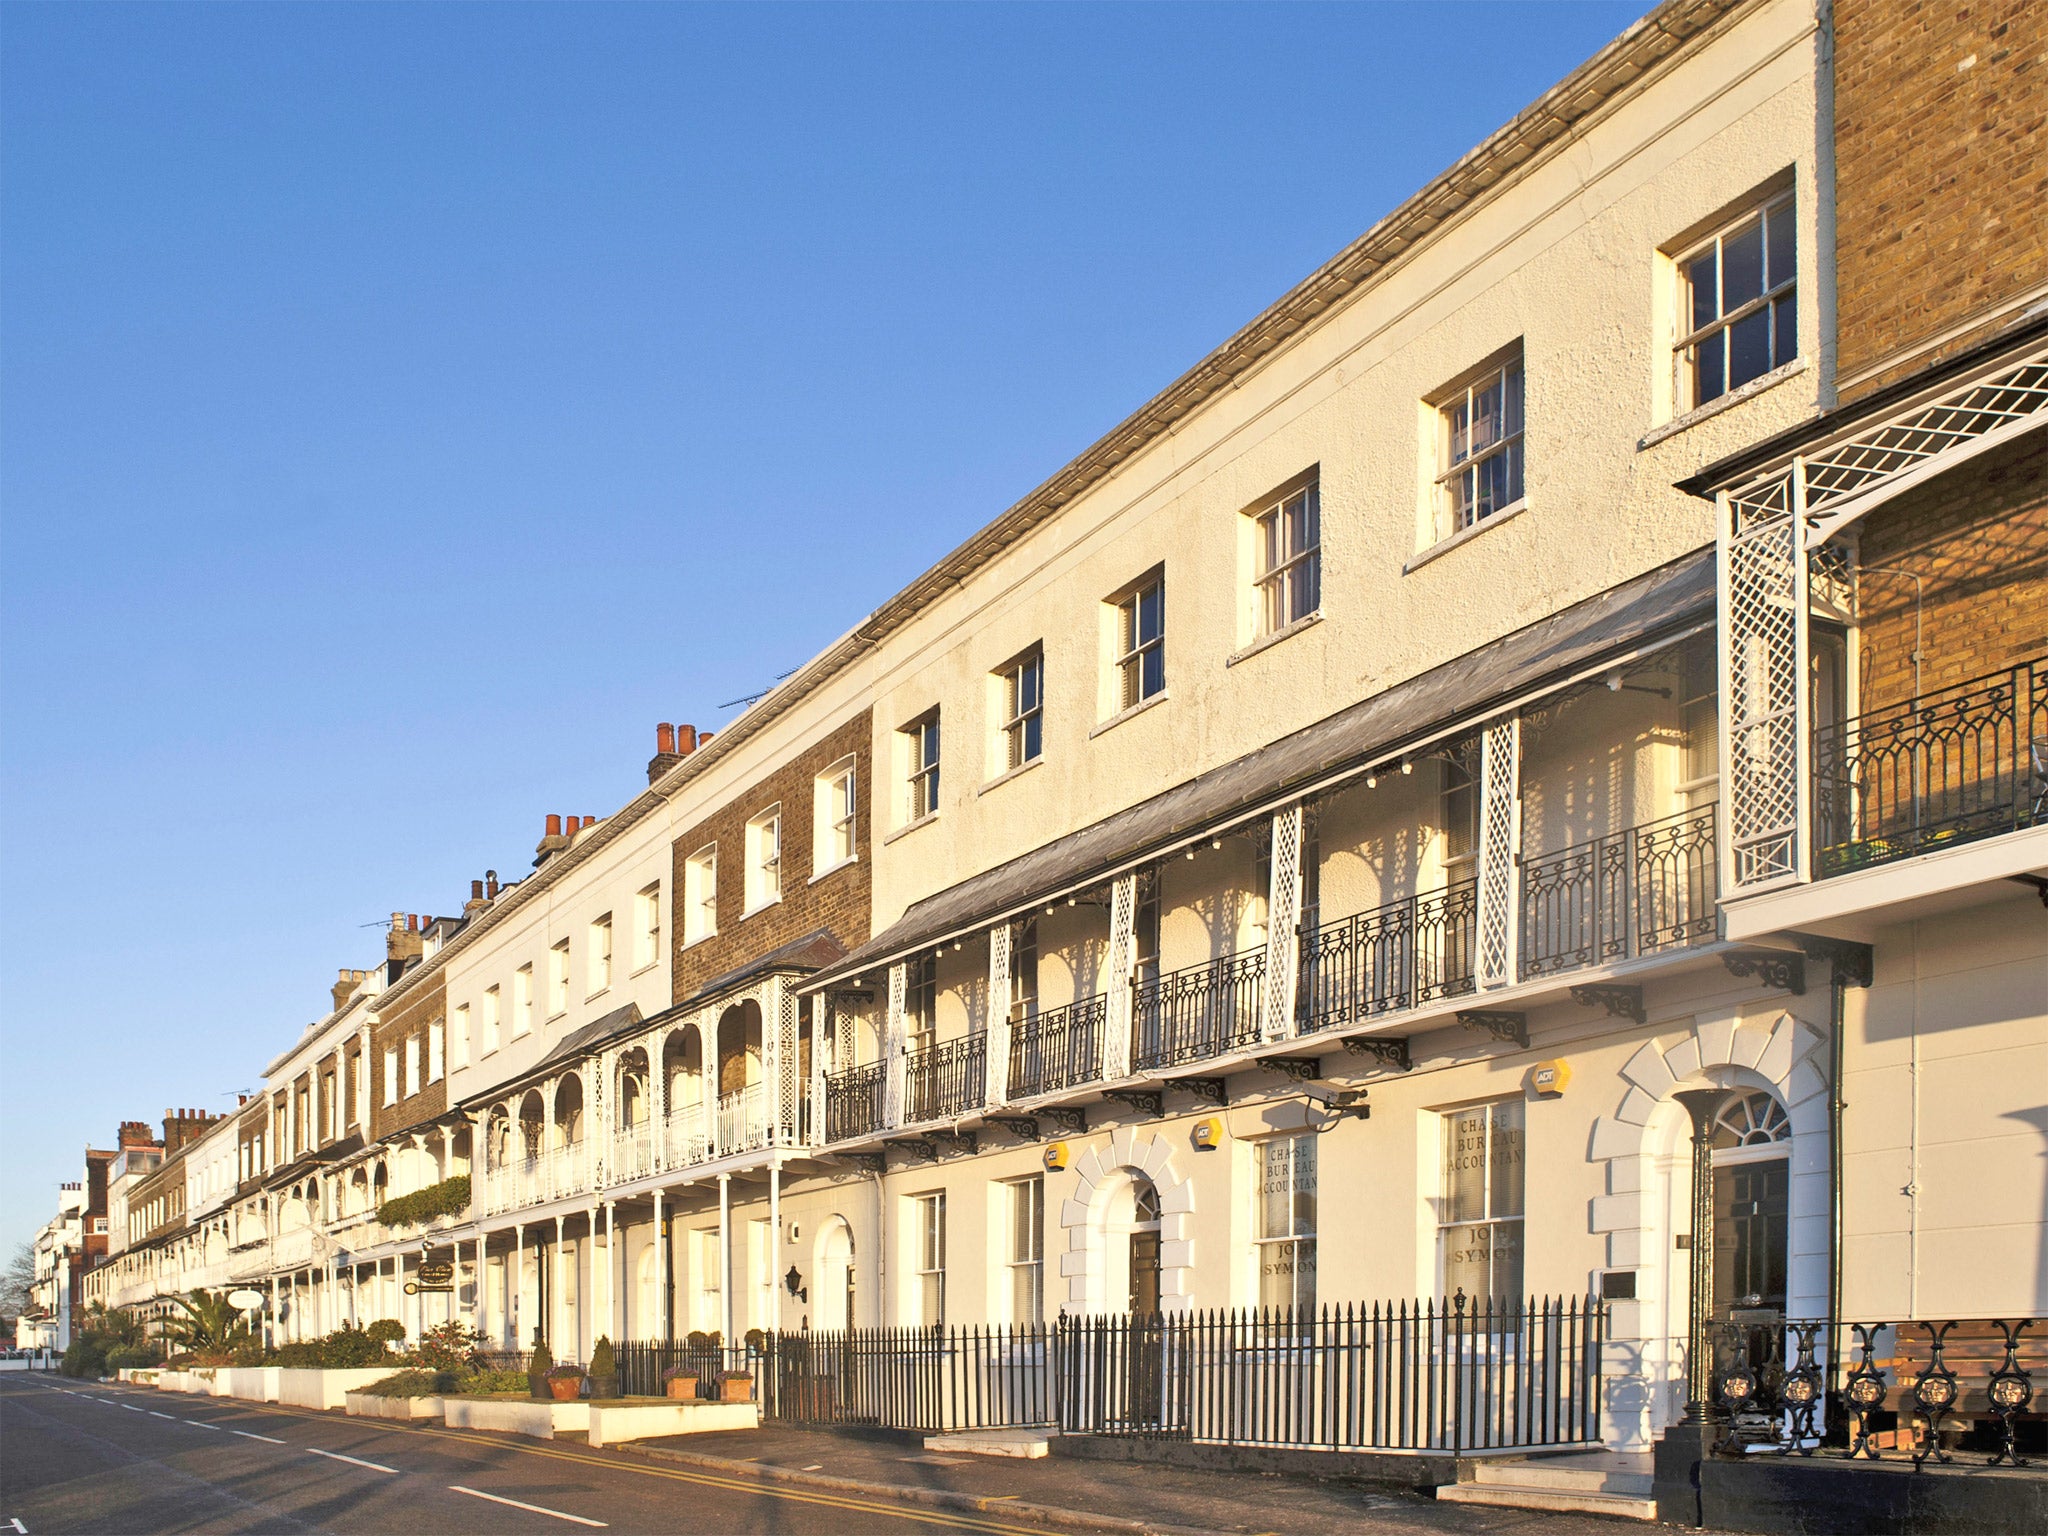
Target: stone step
[(1579, 1501), (1561, 1474), (1027, 1444)]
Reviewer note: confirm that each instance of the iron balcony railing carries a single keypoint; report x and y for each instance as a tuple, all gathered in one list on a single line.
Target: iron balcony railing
[(1960, 763), (944, 1080), (1406, 953), (683, 1138), (1201, 1010), (1634, 892), (743, 1119), (853, 1102), (1060, 1048)]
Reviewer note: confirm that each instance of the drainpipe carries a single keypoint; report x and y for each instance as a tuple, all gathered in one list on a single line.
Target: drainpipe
[(881, 1256), (1837, 1054)]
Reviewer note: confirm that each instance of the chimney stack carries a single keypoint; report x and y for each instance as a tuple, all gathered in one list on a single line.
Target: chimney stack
[(552, 843), (345, 987), (403, 942), (477, 901), (490, 885)]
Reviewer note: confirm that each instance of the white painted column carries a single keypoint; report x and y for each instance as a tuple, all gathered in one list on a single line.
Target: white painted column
[(707, 1082), (515, 1285), (662, 1322), (657, 1105), (1283, 921), (1118, 968), (893, 1065), (611, 1270), (773, 1321), (996, 1087), (554, 1263), (725, 1254)]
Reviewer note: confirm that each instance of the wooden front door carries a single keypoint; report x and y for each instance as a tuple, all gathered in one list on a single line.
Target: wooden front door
[(1752, 1211)]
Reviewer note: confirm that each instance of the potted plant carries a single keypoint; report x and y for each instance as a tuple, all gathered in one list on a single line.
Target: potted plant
[(604, 1369), (735, 1386), (680, 1381), (537, 1369), (565, 1383)]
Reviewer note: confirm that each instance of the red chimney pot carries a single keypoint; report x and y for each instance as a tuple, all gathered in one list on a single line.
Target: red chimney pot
[(664, 738), (554, 826), (686, 739)]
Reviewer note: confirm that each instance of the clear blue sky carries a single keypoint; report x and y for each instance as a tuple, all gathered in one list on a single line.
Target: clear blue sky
[(404, 408)]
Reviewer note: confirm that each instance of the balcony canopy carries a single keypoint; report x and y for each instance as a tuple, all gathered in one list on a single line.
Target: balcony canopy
[(1548, 655)]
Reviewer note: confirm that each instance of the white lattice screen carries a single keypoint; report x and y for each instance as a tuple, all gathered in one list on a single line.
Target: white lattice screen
[(892, 1048), (782, 1010), (1116, 979), (1763, 684), (1283, 919), (1500, 799), (997, 1056)]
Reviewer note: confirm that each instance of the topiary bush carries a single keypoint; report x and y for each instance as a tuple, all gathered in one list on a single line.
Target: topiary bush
[(537, 1369), (352, 1348), (604, 1369), (386, 1330)]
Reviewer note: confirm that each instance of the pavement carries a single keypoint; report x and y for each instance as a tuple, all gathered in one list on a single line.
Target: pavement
[(91, 1457)]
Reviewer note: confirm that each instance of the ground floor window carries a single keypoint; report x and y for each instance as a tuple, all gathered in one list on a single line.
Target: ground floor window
[(710, 1288), (1027, 1250), (1285, 1222), (1479, 1233), (931, 1259)]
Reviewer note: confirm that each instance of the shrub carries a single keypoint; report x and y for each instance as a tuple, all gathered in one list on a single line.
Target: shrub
[(86, 1356), (754, 1339), (735, 1375), (386, 1330), (602, 1360), (412, 1383), (252, 1352), (352, 1348), (483, 1383), (302, 1355), (134, 1357), (706, 1340), (565, 1373), (449, 1346), (450, 1197), (537, 1369)]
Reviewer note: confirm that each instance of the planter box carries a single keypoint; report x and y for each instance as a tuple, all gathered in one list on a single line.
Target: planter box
[(251, 1383), (325, 1389), (516, 1415), (363, 1406), (614, 1422), (142, 1376)]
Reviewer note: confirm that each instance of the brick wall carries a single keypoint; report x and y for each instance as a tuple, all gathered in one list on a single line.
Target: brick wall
[(426, 1007), (1979, 538), (838, 903), (1941, 151)]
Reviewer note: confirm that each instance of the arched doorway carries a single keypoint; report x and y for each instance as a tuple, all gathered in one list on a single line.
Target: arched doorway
[(1751, 1150), (1130, 1231), (832, 1276)]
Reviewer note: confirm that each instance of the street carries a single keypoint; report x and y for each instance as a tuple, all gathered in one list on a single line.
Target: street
[(78, 1456)]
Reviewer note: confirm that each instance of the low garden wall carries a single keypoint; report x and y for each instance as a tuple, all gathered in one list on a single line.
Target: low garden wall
[(363, 1405), (517, 1416), (613, 1422), (324, 1389)]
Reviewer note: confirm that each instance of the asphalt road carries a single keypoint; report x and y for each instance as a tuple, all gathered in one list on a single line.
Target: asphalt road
[(75, 1456)]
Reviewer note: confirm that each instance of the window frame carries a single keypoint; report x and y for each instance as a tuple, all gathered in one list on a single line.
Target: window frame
[(494, 1011), (1027, 1269), (1297, 1242), (930, 1268), (835, 817), (700, 895), (412, 1066), (1022, 728), (647, 928), (764, 859), (1684, 349), (597, 958), (558, 978), (522, 1001), (1134, 649), (1509, 444), (1270, 579), (921, 781), (437, 1051), (1491, 1220), (390, 1075), (458, 1038)]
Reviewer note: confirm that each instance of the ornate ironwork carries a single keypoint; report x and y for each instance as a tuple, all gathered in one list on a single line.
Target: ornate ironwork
[(2010, 1390), (1780, 968), (1074, 1122), (1853, 964), (1639, 891), (955, 1139), (1058, 1049), (1303, 1069), (1863, 1391), (1145, 1102), (1198, 1011), (1934, 1396), (945, 1080), (1023, 1127), (868, 1162), (853, 1102), (1500, 1023), (1398, 956), (1388, 1050), (921, 1148), (1210, 1090), (1620, 1001)]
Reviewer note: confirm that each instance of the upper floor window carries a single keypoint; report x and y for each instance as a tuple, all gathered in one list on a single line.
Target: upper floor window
[(1738, 303), (390, 1075), (1141, 644), (458, 1037), (599, 955), (647, 926), (921, 746), (437, 1051), (700, 894), (1023, 685), (1024, 971), (491, 1002), (764, 858), (522, 1000), (1480, 430), (412, 1065), (1289, 533), (921, 1002), (1459, 809), (558, 978), (832, 817)]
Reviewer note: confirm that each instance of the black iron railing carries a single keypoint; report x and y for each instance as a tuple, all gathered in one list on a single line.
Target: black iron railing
[(853, 1102), (1403, 954), (1202, 1010), (927, 1379), (944, 1080), (644, 1365), (1962, 762), (1634, 892), (1435, 1376), (1060, 1048)]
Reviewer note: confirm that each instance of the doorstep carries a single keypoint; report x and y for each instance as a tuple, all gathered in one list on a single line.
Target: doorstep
[(1583, 1482), (1026, 1444)]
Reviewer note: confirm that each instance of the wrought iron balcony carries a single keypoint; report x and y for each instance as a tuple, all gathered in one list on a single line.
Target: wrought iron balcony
[(1398, 956), (1634, 892), (853, 1102), (1060, 1048), (945, 1080), (1201, 1010), (1960, 763)]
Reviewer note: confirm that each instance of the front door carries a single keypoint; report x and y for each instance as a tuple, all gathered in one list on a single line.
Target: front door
[(1144, 1273), (1145, 1387), (1752, 1207)]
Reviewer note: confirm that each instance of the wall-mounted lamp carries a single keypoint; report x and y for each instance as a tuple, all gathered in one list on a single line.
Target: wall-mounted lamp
[(794, 1284)]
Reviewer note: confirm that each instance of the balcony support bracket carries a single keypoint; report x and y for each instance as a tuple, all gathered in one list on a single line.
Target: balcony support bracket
[(956, 1141), (1023, 1127), (1388, 1050), (1622, 1001), (1853, 963), (1784, 969), (1151, 1103), (1303, 1069), (1504, 1025), (921, 1148), (1210, 1090), (1074, 1122), (868, 1162)]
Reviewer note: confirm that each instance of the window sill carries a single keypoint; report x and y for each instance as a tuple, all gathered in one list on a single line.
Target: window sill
[(1122, 715), (559, 1013), (701, 938), (911, 826), (1264, 642), (1749, 391), (1009, 774), (591, 997), (1465, 535), (641, 970), (833, 869), (761, 906)]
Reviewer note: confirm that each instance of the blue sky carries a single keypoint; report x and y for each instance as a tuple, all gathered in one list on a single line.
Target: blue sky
[(404, 408)]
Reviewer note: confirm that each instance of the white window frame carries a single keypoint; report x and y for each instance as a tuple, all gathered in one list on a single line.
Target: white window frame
[(1297, 1243), (412, 1066), (558, 978), (647, 927), (1023, 710), (1278, 583), (437, 1051), (1134, 649), (1780, 298), (1491, 1220), (1025, 1264), (458, 1038), (929, 1233), (923, 756), (597, 959), (1456, 468), (835, 818), (390, 1075), (493, 1018), (700, 894), (522, 1001), (764, 859)]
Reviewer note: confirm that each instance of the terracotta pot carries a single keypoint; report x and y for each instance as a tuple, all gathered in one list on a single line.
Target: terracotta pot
[(566, 1389), (683, 1387), (736, 1389)]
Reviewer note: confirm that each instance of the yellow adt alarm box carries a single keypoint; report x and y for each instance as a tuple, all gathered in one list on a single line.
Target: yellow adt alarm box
[(1056, 1156), (1208, 1134), (1550, 1078)]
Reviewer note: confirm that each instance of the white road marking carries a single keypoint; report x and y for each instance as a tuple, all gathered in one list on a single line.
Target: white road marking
[(247, 1435), (155, 1415), (133, 1409), (538, 1509), (199, 1423), (357, 1460), (19, 1527)]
